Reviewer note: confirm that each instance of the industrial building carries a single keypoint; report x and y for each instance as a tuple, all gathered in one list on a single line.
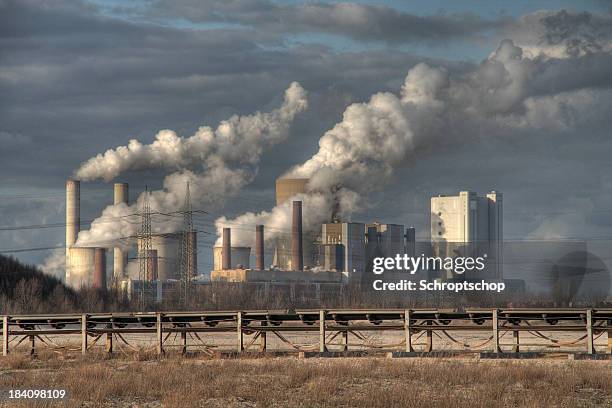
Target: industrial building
[(469, 225), (348, 240)]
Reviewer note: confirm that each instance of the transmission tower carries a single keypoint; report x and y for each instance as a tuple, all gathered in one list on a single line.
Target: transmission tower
[(144, 246), (187, 249)]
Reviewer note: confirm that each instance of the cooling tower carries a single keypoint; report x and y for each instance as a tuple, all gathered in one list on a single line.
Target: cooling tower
[(287, 188), (168, 247), (120, 255), (81, 264)]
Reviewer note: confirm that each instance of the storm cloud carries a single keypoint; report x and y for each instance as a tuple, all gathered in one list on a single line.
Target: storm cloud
[(79, 78)]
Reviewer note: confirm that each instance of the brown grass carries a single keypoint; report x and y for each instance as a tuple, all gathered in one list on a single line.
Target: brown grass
[(291, 382)]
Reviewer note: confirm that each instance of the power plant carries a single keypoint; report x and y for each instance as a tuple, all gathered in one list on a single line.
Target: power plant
[(86, 266), (335, 252)]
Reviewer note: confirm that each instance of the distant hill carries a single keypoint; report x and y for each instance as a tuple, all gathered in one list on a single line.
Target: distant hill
[(25, 288)]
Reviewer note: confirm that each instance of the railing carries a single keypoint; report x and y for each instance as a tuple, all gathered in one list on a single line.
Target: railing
[(417, 329)]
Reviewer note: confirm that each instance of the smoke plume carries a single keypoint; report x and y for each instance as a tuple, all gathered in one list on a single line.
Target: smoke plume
[(507, 93), (216, 164)]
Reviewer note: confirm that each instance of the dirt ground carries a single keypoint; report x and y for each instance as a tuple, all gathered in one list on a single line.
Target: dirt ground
[(142, 380)]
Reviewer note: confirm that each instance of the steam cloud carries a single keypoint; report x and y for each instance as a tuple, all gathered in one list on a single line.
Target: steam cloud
[(506, 93), (216, 164)]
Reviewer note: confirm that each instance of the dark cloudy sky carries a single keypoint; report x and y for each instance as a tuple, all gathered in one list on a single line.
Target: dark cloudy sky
[(80, 77)]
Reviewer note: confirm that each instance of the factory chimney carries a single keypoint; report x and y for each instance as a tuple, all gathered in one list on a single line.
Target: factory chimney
[(152, 265), (120, 255), (99, 272), (297, 255), (259, 247), (73, 212), (226, 252)]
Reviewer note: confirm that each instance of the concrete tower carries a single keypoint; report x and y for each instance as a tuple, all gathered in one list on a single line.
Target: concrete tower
[(73, 211), (297, 249), (120, 255), (73, 218)]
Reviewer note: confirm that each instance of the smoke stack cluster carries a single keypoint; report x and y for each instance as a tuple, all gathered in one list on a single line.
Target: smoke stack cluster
[(259, 248), (226, 252), (297, 255)]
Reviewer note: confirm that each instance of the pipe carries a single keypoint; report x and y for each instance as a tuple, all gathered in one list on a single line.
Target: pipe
[(226, 252), (297, 251), (259, 247), (120, 255), (99, 272)]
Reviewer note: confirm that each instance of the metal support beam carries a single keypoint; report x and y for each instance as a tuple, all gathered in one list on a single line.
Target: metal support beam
[(495, 325), (345, 340), (263, 341), (184, 342), (589, 330), (407, 333), (609, 336), (5, 335), (108, 345), (240, 345), (322, 347), (83, 334), (429, 339), (32, 345), (515, 341), (160, 334)]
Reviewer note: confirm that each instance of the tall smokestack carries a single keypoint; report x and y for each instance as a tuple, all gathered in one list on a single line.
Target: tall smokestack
[(73, 212), (297, 255), (152, 265), (99, 272), (259, 247), (226, 252), (120, 256)]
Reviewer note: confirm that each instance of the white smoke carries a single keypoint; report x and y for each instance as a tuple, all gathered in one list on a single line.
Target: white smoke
[(499, 96), (316, 209), (55, 264), (216, 164), (240, 140)]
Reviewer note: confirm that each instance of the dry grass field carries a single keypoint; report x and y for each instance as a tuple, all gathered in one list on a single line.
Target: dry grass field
[(143, 381)]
